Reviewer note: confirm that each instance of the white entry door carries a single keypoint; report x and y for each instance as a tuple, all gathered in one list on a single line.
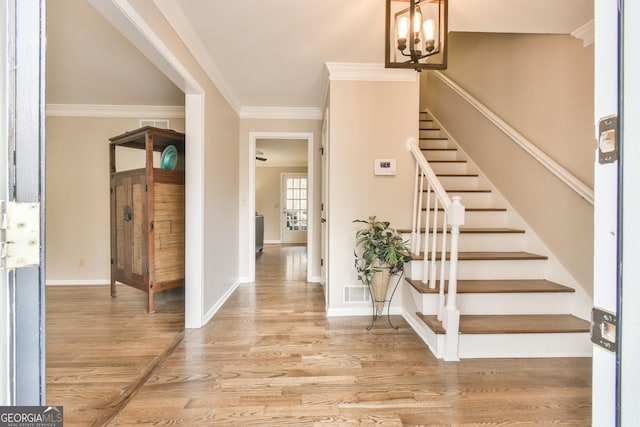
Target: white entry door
[(294, 193), (22, 273)]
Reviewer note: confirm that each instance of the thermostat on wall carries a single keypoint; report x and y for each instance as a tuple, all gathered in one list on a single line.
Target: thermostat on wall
[(384, 167)]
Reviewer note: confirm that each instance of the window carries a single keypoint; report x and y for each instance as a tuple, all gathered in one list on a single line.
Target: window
[(296, 203)]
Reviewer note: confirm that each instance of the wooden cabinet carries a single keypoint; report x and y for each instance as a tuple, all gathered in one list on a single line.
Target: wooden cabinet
[(147, 214)]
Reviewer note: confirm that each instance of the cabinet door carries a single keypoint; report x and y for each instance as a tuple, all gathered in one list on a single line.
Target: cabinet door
[(129, 230)]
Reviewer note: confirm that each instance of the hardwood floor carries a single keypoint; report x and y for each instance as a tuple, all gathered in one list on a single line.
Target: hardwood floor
[(269, 357)]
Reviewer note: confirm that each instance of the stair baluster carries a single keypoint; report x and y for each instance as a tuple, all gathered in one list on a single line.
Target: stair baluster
[(453, 216)]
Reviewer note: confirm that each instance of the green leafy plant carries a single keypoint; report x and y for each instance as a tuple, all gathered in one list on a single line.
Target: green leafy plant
[(377, 246)]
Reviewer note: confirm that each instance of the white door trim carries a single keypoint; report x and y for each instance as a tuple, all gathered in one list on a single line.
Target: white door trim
[(250, 212), (133, 26)]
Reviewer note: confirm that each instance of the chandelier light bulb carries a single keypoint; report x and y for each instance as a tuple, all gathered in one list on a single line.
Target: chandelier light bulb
[(403, 27), (429, 34), (403, 33), (417, 24)]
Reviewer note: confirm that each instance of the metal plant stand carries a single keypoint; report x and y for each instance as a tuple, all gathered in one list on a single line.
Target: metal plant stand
[(375, 316)]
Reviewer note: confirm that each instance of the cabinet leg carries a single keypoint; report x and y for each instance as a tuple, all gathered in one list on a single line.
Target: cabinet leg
[(151, 308)]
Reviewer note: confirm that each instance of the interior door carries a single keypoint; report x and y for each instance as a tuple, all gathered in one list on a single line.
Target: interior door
[(22, 292), (294, 194), (324, 209)]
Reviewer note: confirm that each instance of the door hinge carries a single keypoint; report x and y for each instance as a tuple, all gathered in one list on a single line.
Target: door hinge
[(321, 262), (322, 151), (20, 234), (146, 188)]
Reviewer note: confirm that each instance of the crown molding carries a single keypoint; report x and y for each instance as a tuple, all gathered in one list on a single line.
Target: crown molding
[(585, 33), (177, 19), (296, 113), (102, 110), (368, 72)]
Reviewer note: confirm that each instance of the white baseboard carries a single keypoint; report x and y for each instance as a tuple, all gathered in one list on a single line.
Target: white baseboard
[(92, 282), (272, 242), (213, 310), (314, 279)]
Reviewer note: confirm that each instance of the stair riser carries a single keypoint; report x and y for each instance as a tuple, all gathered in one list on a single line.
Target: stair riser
[(432, 155), (504, 303), (449, 167), (484, 200), (436, 143), (430, 133), (426, 123), (480, 241), (460, 182), (475, 218), (525, 345), (484, 270)]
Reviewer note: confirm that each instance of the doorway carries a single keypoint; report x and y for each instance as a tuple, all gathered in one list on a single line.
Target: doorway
[(265, 142)]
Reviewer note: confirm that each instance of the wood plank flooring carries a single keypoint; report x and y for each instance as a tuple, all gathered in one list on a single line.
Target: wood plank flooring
[(270, 357)]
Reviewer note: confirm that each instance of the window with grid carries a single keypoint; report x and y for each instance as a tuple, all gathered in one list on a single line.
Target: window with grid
[(296, 203)]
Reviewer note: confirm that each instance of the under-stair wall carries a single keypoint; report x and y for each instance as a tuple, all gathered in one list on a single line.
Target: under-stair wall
[(555, 212)]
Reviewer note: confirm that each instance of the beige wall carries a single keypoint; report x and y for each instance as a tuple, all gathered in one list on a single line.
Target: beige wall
[(268, 201), (212, 133), (77, 194), (276, 126), (368, 120), (542, 85)]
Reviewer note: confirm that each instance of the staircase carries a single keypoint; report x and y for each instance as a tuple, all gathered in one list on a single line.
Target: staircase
[(512, 295)]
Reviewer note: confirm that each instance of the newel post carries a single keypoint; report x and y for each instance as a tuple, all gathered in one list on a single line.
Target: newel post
[(451, 314)]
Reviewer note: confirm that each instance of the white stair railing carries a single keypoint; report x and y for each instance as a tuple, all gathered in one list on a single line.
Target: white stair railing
[(428, 187)]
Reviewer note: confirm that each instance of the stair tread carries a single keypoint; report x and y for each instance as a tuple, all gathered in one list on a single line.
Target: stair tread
[(473, 230), (448, 161), (465, 190), (486, 256), (472, 209), (468, 190), (438, 149), (513, 324), (458, 175), (494, 286), (433, 138)]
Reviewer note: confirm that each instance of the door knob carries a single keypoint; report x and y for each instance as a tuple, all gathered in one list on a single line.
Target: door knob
[(127, 213)]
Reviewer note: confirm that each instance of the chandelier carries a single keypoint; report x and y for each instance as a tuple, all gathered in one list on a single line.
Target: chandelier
[(416, 36)]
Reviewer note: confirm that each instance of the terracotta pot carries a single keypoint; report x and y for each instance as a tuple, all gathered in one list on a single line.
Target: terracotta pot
[(380, 284)]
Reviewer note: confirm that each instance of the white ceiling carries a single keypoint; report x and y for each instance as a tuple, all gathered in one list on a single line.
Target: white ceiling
[(259, 53)]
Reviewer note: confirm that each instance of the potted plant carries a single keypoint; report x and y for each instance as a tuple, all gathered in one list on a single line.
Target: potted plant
[(380, 253)]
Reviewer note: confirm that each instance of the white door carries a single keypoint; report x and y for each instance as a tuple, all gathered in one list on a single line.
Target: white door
[(324, 210), (294, 194), (616, 213), (22, 300)]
